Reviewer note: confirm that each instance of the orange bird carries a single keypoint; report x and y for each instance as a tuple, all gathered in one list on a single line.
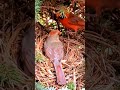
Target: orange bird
[(54, 50), (69, 20)]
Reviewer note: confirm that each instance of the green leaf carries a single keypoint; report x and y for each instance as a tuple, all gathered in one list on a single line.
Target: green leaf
[(71, 86), (39, 86)]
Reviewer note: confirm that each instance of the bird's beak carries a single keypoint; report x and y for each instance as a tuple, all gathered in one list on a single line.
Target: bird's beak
[(59, 33), (57, 14)]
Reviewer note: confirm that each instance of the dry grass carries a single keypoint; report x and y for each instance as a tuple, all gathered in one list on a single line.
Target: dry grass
[(11, 76)]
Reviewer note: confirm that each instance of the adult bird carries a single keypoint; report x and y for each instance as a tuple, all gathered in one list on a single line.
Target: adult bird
[(54, 50), (70, 20)]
